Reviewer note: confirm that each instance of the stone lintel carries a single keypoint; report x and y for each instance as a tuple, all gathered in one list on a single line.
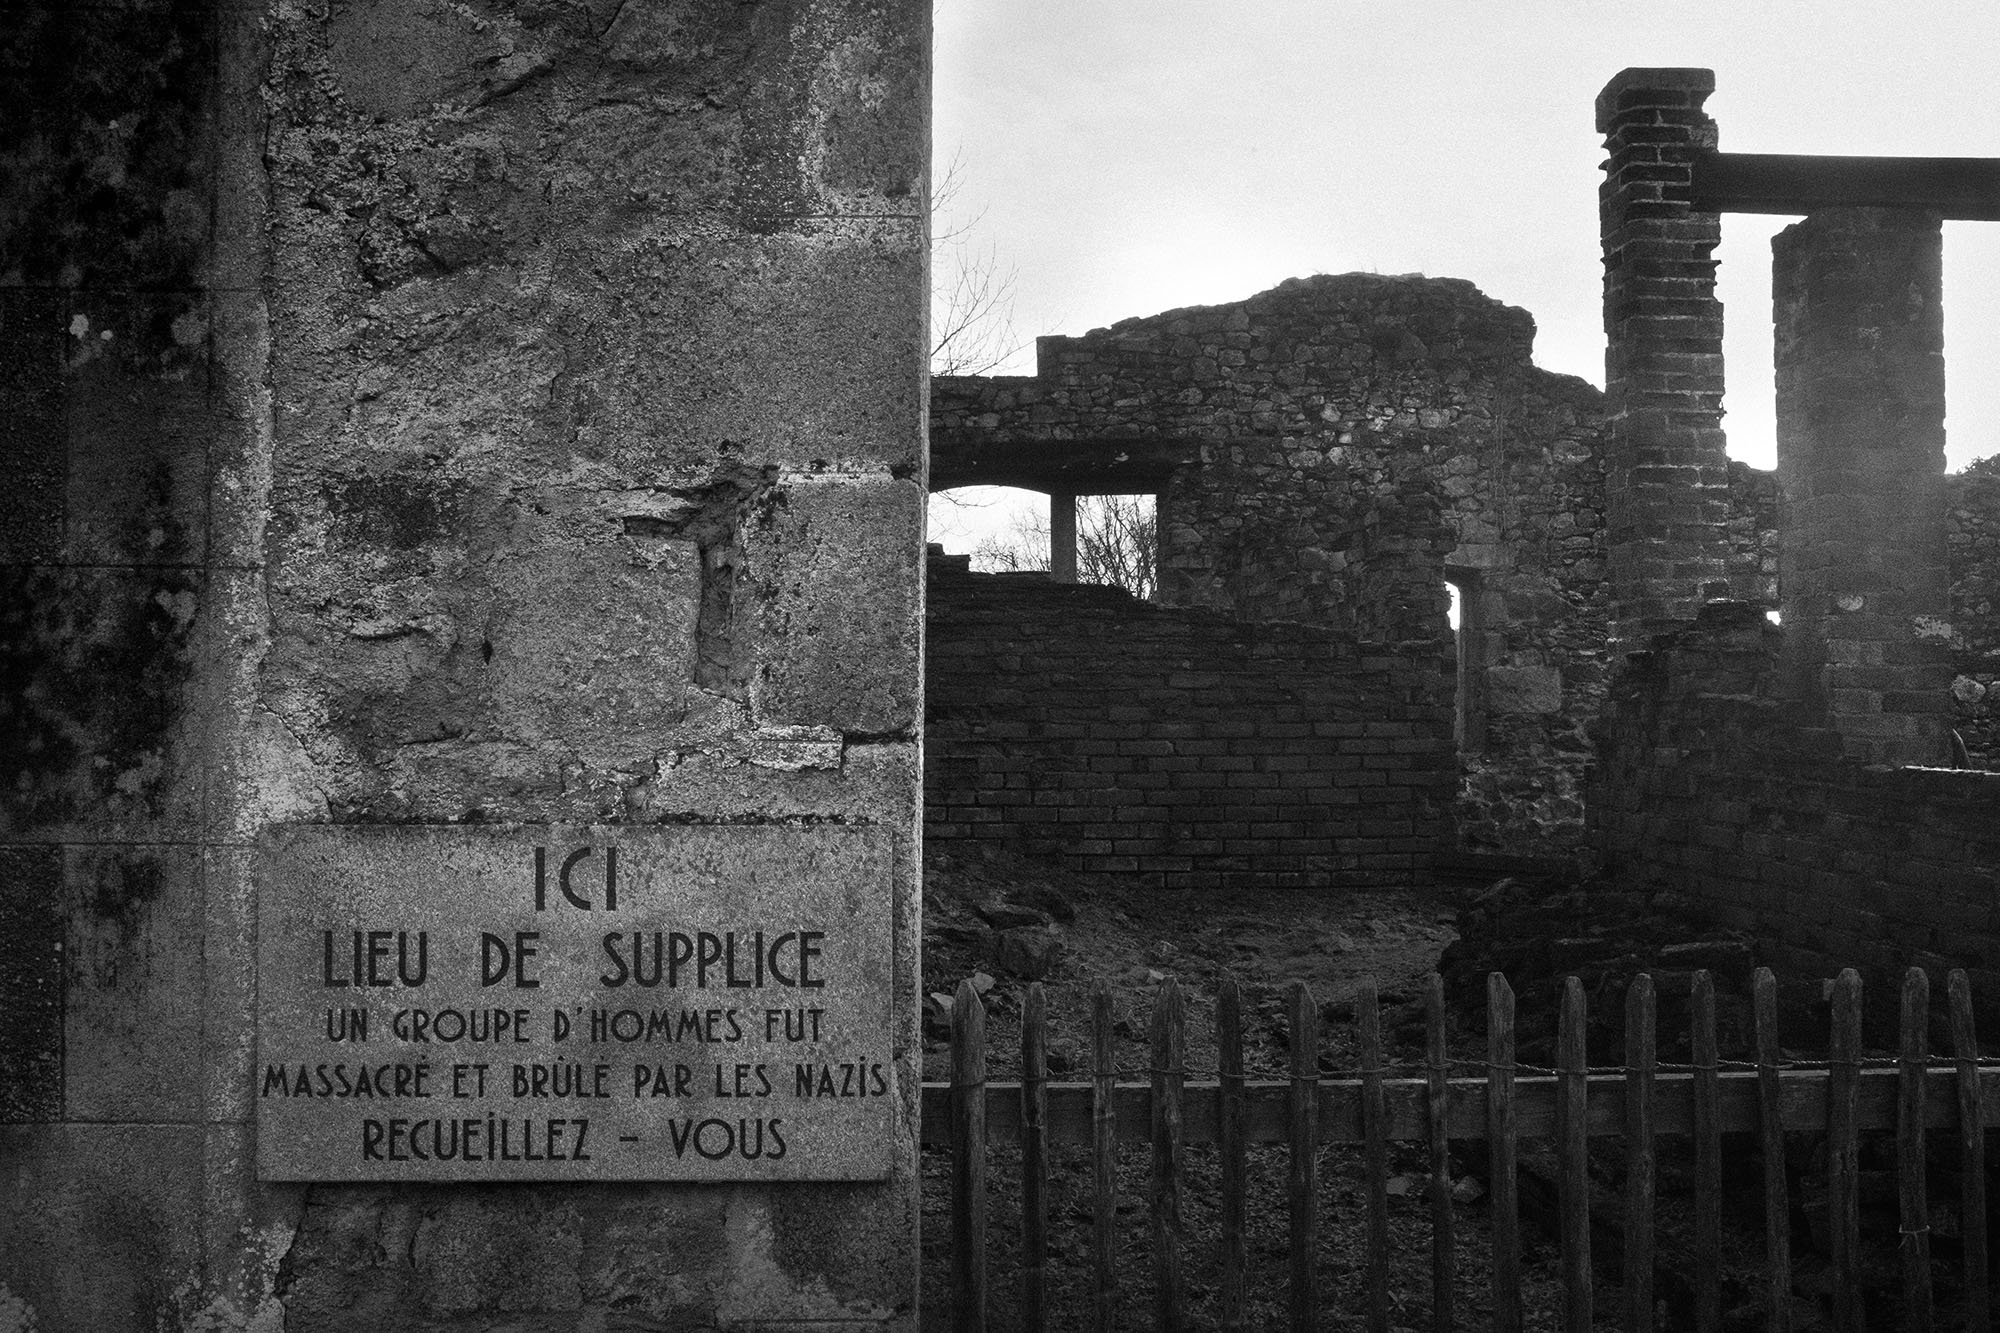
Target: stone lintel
[(1075, 467), (1960, 188)]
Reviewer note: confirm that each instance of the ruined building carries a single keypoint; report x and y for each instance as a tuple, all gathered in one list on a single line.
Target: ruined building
[(1326, 457), (1794, 779), (454, 445)]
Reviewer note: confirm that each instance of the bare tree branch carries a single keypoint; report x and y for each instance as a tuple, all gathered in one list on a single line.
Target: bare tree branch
[(972, 291), (1117, 543)]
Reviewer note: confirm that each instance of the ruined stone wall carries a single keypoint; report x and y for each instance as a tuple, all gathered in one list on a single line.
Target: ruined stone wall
[(424, 414), (1350, 439), (1712, 785), (1179, 748), (1972, 535), (1972, 517), (1753, 532), (130, 420), (1857, 295), (1784, 778)]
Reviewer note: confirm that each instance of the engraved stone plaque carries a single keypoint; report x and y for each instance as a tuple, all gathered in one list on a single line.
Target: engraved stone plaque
[(695, 1003)]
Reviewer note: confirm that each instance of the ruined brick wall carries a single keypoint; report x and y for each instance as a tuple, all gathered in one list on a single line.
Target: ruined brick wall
[(1178, 747), (434, 414), (1973, 549), (1753, 532), (1857, 296), (1348, 441), (1972, 517), (1710, 784), (1749, 766)]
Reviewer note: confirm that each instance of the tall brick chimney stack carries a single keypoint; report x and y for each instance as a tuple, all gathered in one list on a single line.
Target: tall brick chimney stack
[(1666, 474)]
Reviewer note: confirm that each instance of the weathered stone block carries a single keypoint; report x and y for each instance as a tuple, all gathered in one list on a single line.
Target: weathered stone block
[(31, 983), (104, 143), (696, 332), (95, 740), (229, 993), (33, 432), (838, 625), (136, 986), (138, 425), (103, 1228)]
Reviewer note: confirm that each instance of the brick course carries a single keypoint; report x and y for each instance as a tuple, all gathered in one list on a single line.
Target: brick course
[(1710, 784), (1329, 451), (1666, 485), (1177, 746)]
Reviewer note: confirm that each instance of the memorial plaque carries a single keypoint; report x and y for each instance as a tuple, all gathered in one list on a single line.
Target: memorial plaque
[(693, 1003)]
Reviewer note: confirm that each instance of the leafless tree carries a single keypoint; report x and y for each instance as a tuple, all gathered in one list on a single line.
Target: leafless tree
[(972, 291), (1117, 543)]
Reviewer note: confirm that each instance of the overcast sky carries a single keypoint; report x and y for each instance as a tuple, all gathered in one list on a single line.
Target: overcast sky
[(1131, 156)]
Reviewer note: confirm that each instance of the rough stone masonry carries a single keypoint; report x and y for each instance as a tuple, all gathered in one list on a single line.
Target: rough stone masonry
[(1331, 452), (435, 415), (1792, 781)]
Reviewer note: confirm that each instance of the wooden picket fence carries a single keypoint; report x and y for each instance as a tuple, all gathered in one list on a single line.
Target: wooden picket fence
[(1839, 1098)]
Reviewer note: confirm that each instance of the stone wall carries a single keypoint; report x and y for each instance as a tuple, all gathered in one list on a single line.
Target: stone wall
[(1972, 537), (1329, 452), (423, 415), (1749, 766), (1712, 784), (1178, 747), (1753, 532), (1313, 465), (131, 421), (1863, 586), (1972, 557)]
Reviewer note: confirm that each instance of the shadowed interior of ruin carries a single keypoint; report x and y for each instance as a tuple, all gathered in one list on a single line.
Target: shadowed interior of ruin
[(1769, 691), (1326, 455), (1708, 718)]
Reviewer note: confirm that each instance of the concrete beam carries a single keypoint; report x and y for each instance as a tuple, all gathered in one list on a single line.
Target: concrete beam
[(1959, 188)]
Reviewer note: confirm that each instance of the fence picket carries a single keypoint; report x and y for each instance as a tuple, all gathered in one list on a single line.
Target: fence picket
[(1771, 1139), (1843, 1149), (969, 1115), (1972, 1155), (1706, 1080), (1168, 1072), (1375, 1154), (1641, 1059), (1573, 1153), (1034, 1160), (1233, 1147), (1506, 1210), (1437, 1093), (968, 1161), (1303, 1178), (1916, 1214), (1103, 1162)]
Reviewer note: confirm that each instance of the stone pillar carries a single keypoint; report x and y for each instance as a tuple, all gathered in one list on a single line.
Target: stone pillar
[(1062, 537), (1857, 298), (1666, 471), (131, 424), (454, 421)]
